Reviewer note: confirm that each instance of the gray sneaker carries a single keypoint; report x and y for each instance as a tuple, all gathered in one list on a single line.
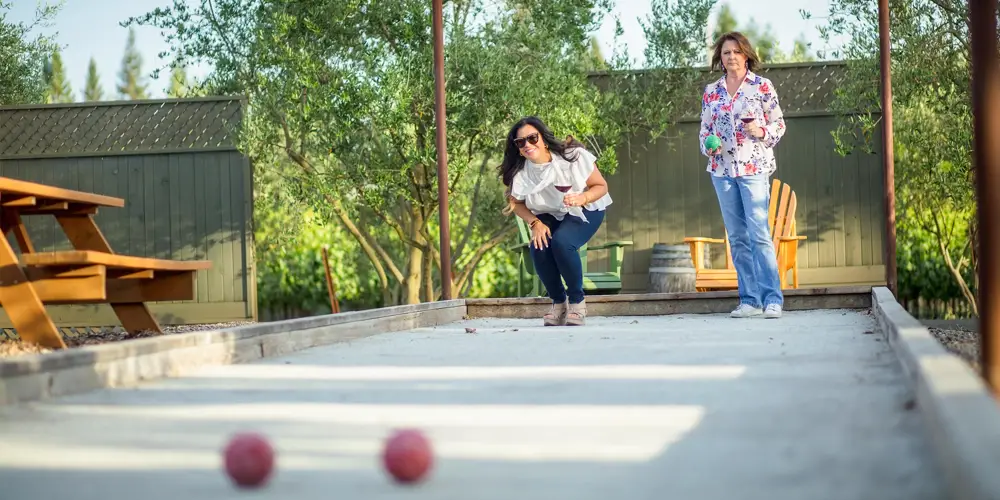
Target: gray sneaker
[(745, 311), (772, 311)]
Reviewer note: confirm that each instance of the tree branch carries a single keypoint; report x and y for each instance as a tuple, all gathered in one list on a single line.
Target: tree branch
[(376, 254), (955, 270), (474, 209), (470, 267)]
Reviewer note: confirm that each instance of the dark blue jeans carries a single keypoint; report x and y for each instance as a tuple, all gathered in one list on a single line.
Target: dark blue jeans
[(560, 259)]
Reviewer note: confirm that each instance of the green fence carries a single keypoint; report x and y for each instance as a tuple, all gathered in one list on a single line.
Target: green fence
[(187, 191)]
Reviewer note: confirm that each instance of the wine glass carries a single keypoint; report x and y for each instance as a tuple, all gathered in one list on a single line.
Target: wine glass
[(563, 188), (747, 117)]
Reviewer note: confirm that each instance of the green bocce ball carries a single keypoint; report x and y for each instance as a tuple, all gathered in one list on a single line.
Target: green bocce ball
[(712, 142)]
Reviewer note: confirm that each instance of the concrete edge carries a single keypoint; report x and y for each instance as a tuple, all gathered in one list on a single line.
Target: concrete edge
[(640, 297), (962, 417), (82, 369), (656, 304)]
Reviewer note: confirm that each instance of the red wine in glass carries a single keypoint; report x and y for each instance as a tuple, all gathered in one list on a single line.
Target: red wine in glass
[(564, 189), (747, 118)]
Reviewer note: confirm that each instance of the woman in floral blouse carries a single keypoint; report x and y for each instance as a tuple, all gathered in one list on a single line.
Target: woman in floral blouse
[(741, 109)]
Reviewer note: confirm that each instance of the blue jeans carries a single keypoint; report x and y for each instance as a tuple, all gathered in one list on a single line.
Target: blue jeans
[(560, 259), (744, 202)]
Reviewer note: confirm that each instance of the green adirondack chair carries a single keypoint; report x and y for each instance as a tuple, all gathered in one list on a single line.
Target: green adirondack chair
[(596, 283)]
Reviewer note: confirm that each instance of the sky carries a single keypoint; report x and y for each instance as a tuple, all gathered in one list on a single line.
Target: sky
[(90, 28)]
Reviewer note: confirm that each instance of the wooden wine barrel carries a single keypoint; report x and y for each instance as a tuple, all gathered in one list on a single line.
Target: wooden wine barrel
[(671, 269)]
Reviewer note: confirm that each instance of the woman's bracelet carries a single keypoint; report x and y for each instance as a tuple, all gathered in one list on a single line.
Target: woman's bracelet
[(531, 225)]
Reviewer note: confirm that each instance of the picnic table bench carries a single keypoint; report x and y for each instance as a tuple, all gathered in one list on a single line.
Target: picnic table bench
[(90, 273)]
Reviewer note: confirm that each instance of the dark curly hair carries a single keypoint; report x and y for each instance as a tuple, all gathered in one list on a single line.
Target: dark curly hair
[(513, 162)]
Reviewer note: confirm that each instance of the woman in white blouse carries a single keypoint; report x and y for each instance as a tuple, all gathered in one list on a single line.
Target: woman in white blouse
[(556, 188), (741, 110)]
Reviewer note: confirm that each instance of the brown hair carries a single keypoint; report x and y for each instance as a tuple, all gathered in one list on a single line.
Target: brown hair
[(753, 62)]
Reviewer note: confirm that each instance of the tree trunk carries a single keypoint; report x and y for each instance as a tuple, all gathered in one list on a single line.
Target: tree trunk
[(414, 265), (428, 263)]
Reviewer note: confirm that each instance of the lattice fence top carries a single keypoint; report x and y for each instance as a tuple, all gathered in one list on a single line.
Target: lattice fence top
[(801, 87), (119, 127)]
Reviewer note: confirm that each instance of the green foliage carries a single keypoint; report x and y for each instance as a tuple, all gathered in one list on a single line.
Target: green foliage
[(93, 90), (932, 127), (764, 40), (290, 271), (179, 84), (23, 58), (131, 82), (344, 91), (341, 119), (59, 89), (921, 267)]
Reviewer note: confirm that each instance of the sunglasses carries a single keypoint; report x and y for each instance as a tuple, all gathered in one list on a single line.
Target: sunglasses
[(521, 141)]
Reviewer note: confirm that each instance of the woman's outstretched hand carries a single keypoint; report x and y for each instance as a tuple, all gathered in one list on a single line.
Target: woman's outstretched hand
[(540, 235)]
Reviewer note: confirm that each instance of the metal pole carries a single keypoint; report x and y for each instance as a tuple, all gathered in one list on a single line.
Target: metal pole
[(442, 148), (986, 154), (888, 161)]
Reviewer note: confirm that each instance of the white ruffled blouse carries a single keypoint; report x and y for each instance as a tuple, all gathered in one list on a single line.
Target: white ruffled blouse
[(535, 184)]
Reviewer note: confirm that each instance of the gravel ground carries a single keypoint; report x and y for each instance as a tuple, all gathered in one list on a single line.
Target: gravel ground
[(964, 343), (14, 347)]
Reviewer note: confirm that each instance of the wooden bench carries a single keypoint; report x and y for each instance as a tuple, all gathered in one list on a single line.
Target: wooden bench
[(91, 273), (82, 277), (608, 282)]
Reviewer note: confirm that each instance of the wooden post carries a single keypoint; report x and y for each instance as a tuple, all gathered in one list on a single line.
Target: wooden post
[(442, 148), (888, 162), (986, 155)]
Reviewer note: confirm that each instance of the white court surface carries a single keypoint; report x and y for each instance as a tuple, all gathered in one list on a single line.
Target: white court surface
[(809, 406)]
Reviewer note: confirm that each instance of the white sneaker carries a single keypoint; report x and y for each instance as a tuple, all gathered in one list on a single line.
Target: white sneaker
[(772, 311), (745, 311)]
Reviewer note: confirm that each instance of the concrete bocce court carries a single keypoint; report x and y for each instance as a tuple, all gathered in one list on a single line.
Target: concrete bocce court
[(659, 396)]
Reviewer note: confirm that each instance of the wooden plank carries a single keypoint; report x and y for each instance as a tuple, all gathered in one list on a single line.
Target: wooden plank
[(864, 210), (227, 238), (71, 290), (136, 208), (236, 202), (166, 287), (85, 235), (17, 226), (19, 201), (826, 223), (249, 242), (626, 224), (639, 203), (174, 206), (853, 239), (213, 224), (23, 305), (148, 200), (199, 236), (876, 191), (19, 187), (91, 257)]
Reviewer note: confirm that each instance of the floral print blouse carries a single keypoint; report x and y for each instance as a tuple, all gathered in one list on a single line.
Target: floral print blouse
[(741, 153)]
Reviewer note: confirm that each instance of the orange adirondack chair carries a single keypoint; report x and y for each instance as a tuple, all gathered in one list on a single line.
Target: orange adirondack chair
[(781, 220)]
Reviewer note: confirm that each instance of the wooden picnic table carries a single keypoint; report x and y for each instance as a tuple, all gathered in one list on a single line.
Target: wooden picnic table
[(91, 273)]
